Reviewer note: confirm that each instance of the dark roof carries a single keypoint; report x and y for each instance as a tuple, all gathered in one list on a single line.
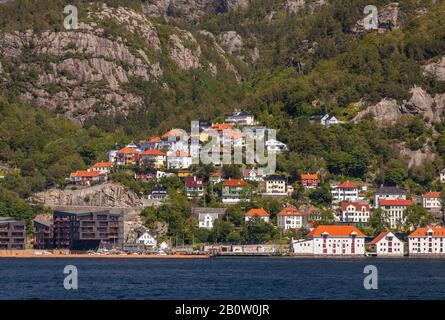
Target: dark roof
[(241, 113), (10, 219), (45, 223), (275, 177), (390, 190), (158, 189)]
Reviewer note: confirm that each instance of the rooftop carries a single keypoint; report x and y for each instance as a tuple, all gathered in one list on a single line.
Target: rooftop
[(336, 231)]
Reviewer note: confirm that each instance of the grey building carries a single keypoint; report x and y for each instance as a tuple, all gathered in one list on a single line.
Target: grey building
[(88, 230), (207, 216), (388, 193), (43, 234), (12, 234)]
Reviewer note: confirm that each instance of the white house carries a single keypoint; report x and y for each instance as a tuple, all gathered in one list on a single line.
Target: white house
[(275, 185), (178, 160), (346, 191), (261, 213), (427, 241), (102, 167), (442, 176), (328, 120), (387, 244), (147, 239), (206, 216), (291, 218), (355, 212), (332, 240), (431, 201), (273, 145), (253, 174), (388, 193), (395, 211), (239, 117)]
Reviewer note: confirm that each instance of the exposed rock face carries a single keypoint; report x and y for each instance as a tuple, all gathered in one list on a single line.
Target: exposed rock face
[(105, 195), (294, 6), (388, 111), (417, 157), (185, 57), (436, 69), (232, 41), (388, 15)]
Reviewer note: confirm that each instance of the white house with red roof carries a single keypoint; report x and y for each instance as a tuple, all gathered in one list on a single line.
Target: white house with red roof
[(194, 187), (87, 177), (309, 181), (291, 218), (388, 193), (387, 244), (260, 213), (253, 174), (355, 212), (178, 159), (431, 201), (127, 156), (234, 191), (395, 211), (102, 167), (332, 240), (427, 241), (153, 158), (346, 191)]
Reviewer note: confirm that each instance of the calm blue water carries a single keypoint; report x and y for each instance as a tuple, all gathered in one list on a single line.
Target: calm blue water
[(222, 278)]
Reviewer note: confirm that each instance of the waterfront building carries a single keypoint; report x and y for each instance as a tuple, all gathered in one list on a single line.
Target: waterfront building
[(387, 244), (12, 234), (43, 234), (332, 240), (87, 230), (427, 241)]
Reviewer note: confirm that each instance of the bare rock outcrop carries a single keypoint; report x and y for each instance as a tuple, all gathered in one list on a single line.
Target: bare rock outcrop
[(232, 41), (415, 157), (436, 69), (185, 51), (389, 16), (104, 195)]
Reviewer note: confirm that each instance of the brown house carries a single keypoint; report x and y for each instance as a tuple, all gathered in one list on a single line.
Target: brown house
[(12, 234)]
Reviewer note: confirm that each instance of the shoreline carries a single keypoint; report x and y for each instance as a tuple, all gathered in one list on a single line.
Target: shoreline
[(98, 256)]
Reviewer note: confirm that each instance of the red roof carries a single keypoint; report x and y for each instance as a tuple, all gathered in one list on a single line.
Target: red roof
[(221, 126), (358, 206), (179, 153), (309, 176), (127, 150), (153, 152), (103, 164), (335, 231), (257, 212), (347, 185), (235, 183), (399, 202), (290, 212), (154, 139), (379, 237), (174, 132), (422, 232), (432, 194), (82, 173), (194, 182)]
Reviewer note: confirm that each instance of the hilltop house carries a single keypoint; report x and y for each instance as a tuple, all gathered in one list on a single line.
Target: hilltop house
[(158, 193), (346, 191), (427, 241), (309, 181), (241, 118), (332, 240), (207, 216), (387, 244), (275, 185), (102, 167), (388, 193), (325, 120), (252, 174), (83, 177), (276, 146), (291, 218), (178, 160), (395, 211), (127, 156), (260, 213), (194, 187), (234, 191), (431, 201), (153, 158), (356, 213)]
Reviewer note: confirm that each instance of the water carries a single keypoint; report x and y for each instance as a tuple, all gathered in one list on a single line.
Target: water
[(222, 278)]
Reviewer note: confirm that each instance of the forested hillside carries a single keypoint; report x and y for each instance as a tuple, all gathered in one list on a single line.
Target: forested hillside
[(133, 70)]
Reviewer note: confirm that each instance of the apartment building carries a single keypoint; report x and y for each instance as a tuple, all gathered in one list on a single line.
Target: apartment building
[(12, 234)]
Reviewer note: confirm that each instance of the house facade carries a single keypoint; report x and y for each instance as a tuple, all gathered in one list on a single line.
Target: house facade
[(194, 187), (158, 193), (234, 191), (153, 158), (332, 240), (241, 118), (43, 234), (178, 160), (357, 213), (395, 211), (291, 218), (309, 181), (12, 234), (147, 239), (102, 167), (83, 177), (387, 244), (207, 216), (127, 156), (427, 241), (346, 191), (252, 174), (275, 185), (260, 213), (431, 201)]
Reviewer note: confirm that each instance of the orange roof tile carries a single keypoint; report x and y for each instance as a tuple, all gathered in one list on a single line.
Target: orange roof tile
[(348, 184), (432, 194), (174, 132), (153, 152), (379, 237), (421, 232), (221, 126), (289, 212), (103, 164), (154, 139), (83, 173), (309, 176), (235, 183), (257, 212), (358, 206), (335, 231), (127, 150)]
